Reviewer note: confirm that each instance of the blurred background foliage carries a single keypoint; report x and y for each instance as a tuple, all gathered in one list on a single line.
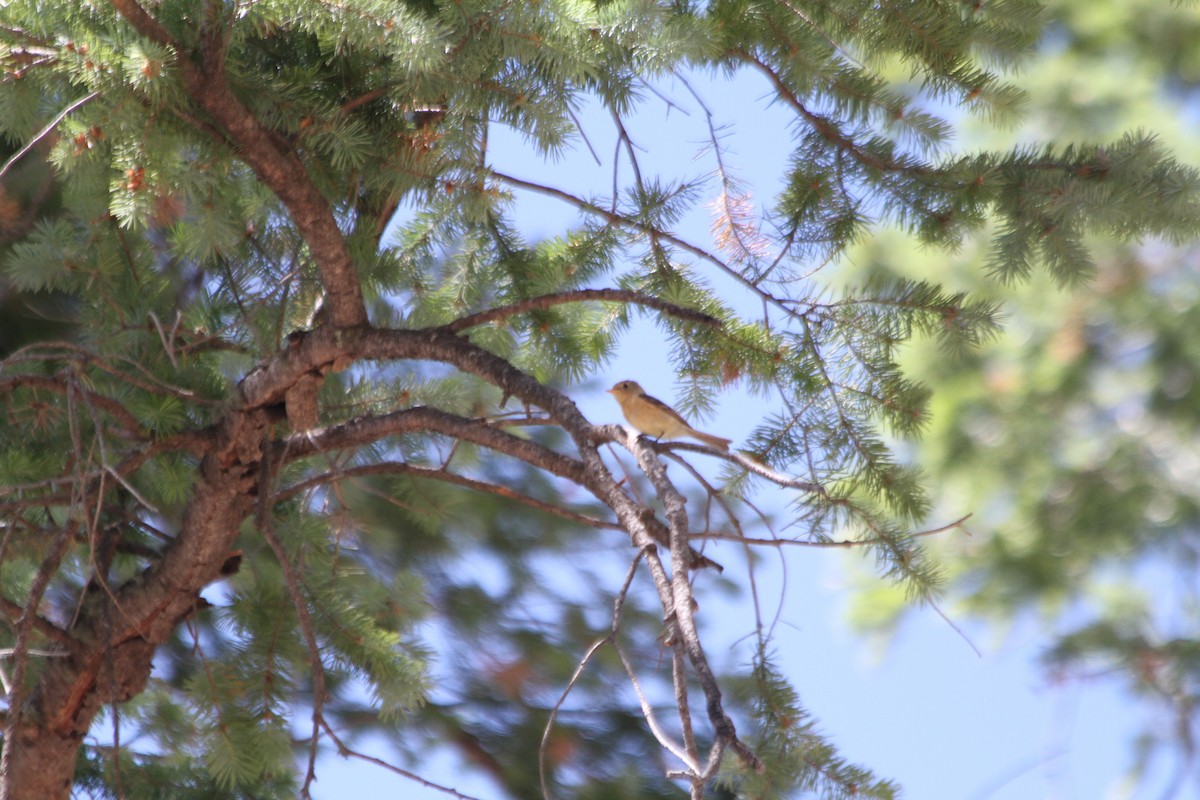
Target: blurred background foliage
[(1074, 437)]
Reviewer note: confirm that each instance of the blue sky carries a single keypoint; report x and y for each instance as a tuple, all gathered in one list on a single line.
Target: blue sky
[(928, 712)]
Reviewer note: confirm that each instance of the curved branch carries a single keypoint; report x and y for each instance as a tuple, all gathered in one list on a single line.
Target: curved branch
[(423, 419), (747, 462), (580, 296)]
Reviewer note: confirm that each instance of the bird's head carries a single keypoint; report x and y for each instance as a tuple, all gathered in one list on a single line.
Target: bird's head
[(626, 389)]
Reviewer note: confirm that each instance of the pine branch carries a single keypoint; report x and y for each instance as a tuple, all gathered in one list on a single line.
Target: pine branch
[(624, 221), (141, 378), (189, 442), (46, 131), (60, 386), (580, 296), (266, 527), (827, 129)]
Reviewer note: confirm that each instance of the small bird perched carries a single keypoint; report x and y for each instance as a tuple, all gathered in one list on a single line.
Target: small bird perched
[(653, 417)]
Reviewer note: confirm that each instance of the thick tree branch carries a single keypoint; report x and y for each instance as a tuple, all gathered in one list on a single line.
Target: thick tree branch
[(271, 158), (267, 385), (117, 631), (431, 420), (11, 612)]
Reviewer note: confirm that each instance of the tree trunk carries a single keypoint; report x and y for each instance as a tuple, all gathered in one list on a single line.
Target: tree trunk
[(110, 659), (39, 760), (39, 766)]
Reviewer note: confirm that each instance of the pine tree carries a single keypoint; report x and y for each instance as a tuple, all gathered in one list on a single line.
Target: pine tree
[(275, 391)]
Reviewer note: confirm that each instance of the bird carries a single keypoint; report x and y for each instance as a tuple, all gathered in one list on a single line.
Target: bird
[(653, 417)]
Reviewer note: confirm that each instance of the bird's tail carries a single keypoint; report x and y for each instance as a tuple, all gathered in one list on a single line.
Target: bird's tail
[(710, 440)]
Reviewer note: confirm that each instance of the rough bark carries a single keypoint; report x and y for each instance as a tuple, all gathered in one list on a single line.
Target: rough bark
[(116, 635)]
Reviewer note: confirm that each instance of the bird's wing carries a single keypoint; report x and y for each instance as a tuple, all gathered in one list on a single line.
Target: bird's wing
[(659, 404)]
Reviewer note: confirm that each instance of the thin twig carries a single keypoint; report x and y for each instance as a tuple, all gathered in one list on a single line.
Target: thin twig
[(347, 752), (618, 605), (740, 533), (9, 652), (679, 684), (744, 460), (580, 296), (445, 476), (266, 526), (827, 543), (46, 131), (962, 634), (656, 729), (550, 720), (583, 135)]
